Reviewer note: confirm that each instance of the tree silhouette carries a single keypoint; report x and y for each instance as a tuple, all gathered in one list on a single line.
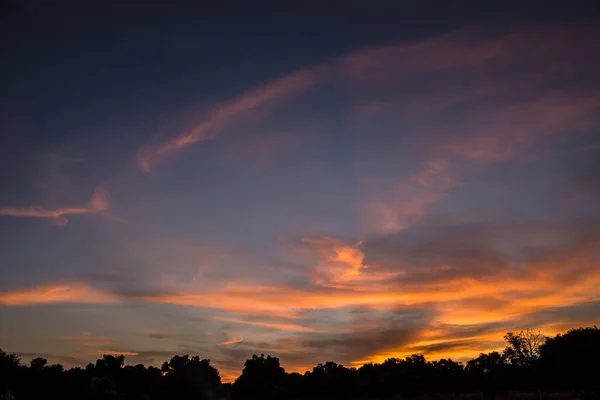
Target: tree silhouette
[(262, 377), (8, 361), (38, 363), (102, 388), (110, 364), (9, 365), (564, 363), (192, 376), (571, 362), (523, 348), (331, 380)]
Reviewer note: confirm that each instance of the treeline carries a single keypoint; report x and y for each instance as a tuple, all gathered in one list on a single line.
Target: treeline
[(530, 363)]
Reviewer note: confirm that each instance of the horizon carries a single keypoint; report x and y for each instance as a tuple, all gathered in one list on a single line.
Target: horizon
[(533, 338), (319, 181)]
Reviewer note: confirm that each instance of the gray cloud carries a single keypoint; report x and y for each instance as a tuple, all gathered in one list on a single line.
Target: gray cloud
[(569, 316), (158, 335), (438, 250)]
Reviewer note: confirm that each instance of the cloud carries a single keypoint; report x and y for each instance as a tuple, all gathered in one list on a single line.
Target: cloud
[(98, 203), (75, 292), (233, 340), (584, 179), (443, 287), (396, 62), (509, 130), (158, 334), (87, 339), (117, 353), (409, 199), (241, 109), (355, 340), (489, 272), (417, 81), (482, 98), (270, 325)]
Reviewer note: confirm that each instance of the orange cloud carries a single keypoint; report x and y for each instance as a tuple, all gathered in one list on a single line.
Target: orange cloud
[(61, 293), (98, 203), (231, 341), (117, 353), (342, 278)]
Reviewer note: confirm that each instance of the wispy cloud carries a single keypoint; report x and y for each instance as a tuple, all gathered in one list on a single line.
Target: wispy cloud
[(241, 109), (87, 339), (75, 292), (158, 334), (117, 353), (270, 325), (450, 289), (408, 199), (98, 203), (453, 69), (233, 340)]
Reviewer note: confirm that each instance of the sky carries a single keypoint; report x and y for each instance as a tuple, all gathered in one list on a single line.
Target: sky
[(320, 181)]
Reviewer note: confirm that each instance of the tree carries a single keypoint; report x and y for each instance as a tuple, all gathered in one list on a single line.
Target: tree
[(572, 362), (8, 360), (486, 363), (7, 395), (523, 348), (262, 377), (38, 363), (110, 364), (489, 373), (9, 368), (446, 375), (102, 388), (331, 380), (192, 376)]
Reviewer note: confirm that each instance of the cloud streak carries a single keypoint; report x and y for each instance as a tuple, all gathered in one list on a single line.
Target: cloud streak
[(241, 109), (231, 341), (75, 292), (98, 203), (409, 199)]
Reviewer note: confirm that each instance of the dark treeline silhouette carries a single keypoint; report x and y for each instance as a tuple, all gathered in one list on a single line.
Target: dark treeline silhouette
[(530, 363)]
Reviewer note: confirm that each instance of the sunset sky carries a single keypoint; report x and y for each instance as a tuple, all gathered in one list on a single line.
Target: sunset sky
[(321, 180)]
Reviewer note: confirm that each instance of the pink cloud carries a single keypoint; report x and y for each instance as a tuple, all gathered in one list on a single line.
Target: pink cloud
[(508, 130), (460, 51), (240, 109), (388, 63), (98, 203), (87, 339), (450, 69), (408, 200)]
